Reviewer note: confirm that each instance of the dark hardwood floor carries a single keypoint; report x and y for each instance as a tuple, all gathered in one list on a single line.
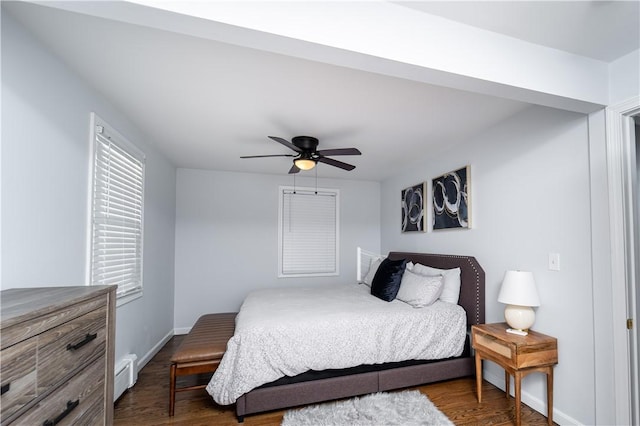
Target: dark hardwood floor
[(147, 403)]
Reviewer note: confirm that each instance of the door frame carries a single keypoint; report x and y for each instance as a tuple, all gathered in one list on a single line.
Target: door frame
[(621, 166)]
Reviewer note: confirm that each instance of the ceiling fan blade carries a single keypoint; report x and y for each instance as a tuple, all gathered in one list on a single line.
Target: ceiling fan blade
[(336, 163), (263, 156), (286, 143), (340, 151), (294, 169)]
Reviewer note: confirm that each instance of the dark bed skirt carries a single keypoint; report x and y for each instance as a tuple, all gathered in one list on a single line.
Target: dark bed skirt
[(267, 398)]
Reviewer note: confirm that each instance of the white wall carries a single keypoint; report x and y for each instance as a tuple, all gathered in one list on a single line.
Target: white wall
[(531, 196), (45, 178), (624, 78), (227, 236), (603, 318)]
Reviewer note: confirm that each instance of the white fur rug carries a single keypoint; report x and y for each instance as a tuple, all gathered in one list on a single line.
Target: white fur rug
[(406, 408)]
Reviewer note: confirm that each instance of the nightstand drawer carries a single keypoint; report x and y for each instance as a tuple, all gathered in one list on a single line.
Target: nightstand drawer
[(483, 341), (70, 346), (18, 375)]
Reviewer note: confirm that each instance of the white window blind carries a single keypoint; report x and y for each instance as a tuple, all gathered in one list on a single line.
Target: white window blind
[(117, 201), (308, 232)]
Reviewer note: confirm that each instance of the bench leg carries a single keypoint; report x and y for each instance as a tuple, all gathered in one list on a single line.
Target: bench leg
[(172, 390)]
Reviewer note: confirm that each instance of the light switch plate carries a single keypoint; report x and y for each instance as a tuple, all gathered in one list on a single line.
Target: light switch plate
[(554, 261)]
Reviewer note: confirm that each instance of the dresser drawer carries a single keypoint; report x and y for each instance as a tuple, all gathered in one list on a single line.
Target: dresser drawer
[(18, 376), (43, 322), (78, 401), (69, 346)]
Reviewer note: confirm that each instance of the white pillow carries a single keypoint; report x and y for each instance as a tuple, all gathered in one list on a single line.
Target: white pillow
[(375, 264), (419, 290), (451, 279)]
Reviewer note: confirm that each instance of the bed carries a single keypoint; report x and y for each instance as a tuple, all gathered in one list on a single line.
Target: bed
[(300, 387)]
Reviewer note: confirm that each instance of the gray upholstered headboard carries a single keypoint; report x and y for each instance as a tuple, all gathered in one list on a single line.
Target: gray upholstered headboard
[(471, 277)]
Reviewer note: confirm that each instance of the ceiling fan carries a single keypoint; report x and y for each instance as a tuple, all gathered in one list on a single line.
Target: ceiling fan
[(307, 154)]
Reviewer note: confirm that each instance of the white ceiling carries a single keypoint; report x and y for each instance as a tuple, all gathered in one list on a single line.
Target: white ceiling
[(603, 30), (205, 103)]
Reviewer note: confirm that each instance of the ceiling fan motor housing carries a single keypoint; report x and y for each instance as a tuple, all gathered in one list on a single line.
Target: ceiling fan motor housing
[(306, 143)]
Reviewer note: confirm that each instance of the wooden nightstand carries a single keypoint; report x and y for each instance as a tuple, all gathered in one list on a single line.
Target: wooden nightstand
[(518, 355)]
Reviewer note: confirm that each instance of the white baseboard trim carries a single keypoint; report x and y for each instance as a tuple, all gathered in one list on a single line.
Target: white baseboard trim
[(154, 350), (183, 330), (533, 402)]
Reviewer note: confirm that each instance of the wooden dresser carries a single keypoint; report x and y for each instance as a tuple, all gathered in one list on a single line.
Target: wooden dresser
[(57, 355)]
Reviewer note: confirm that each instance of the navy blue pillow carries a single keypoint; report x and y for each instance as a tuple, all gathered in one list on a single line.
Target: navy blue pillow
[(386, 282)]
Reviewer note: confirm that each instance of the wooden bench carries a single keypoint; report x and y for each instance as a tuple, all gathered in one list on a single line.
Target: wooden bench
[(201, 351)]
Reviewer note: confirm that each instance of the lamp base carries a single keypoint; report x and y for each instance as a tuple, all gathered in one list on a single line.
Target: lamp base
[(518, 332), (519, 318)]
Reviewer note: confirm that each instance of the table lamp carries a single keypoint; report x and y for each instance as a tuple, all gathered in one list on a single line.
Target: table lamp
[(519, 293)]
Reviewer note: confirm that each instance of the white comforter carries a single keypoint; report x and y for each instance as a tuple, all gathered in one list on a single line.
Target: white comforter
[(285, 332)]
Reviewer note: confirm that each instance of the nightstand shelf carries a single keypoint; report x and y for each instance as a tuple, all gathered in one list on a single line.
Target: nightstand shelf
[(518, 355)]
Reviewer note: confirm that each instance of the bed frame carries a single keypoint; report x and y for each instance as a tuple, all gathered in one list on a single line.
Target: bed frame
[(266, 398)]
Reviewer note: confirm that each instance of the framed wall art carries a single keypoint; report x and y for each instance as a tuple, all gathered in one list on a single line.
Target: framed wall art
[(413, 208), (451, 200)]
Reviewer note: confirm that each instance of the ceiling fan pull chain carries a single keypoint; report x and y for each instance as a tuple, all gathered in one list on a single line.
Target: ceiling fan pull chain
[(316, 181)]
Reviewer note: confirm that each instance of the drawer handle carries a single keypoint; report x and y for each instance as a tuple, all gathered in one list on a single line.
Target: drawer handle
[(489, 337), (5, 388), (70, 406), (87, 339)]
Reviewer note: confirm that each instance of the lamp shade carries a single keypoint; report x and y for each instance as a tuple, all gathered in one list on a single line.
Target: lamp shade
[(519, 288)]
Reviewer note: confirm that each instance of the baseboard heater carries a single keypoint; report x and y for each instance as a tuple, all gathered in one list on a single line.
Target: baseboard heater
[(126, 375)]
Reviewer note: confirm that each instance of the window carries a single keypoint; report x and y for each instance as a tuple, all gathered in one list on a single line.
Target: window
[(116, 212), (308, 232)]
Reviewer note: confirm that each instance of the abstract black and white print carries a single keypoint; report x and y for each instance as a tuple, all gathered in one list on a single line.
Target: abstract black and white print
[(413, 214), (451, 200)]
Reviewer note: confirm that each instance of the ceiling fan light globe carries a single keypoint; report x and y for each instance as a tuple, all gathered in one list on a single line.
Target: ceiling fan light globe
[(304, 164)]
